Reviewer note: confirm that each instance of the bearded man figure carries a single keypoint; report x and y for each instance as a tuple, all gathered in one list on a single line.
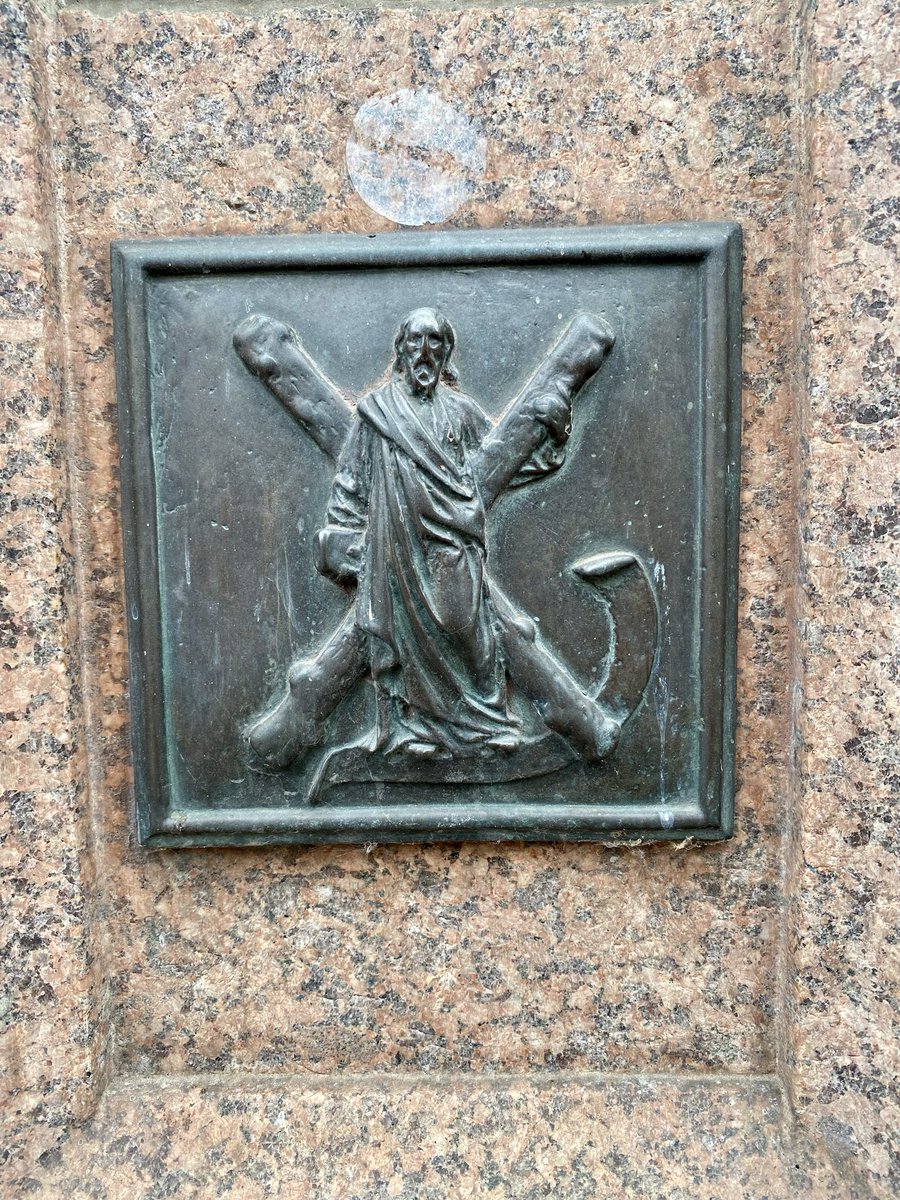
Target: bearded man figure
[(405, 486), (406, 526)]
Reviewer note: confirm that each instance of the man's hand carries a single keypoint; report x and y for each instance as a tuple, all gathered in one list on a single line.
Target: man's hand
[(555, 412), (543, 406), (339, 553)]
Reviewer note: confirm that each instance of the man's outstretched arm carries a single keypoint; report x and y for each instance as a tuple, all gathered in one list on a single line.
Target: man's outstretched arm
[(541, 413), (271, 351)]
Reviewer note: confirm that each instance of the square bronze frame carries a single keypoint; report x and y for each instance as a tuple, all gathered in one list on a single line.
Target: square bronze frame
[(714, 249)]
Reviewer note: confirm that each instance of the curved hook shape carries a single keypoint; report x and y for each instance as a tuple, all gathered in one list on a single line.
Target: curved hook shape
[(625, 587)]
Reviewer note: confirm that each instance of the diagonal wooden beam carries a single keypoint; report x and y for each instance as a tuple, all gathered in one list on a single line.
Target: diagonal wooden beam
[(519, 433), (271, 350)]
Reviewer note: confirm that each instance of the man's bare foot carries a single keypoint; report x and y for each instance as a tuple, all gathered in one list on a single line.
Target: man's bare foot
[(601, 736), (289, 729)]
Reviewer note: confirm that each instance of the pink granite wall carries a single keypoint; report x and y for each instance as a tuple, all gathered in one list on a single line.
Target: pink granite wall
[(480, 957), (721, 985), (51, 1032), (845, 877)]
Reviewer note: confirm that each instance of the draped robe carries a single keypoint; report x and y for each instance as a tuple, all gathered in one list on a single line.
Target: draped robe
[(405, 486)]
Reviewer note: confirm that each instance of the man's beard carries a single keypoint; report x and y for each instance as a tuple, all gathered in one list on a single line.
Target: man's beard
[(424, 373)]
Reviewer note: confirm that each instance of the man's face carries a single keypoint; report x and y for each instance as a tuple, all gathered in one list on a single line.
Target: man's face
[(423, 353)]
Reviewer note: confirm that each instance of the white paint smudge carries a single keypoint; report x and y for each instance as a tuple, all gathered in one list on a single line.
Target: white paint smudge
[(283, 588), (661, 694), (662, 699), (413, 157)]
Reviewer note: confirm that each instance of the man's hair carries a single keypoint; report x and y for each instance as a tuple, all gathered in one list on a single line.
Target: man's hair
[(448, 371)]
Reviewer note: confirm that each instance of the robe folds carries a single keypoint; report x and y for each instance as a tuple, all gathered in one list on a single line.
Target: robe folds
[(405, 485)]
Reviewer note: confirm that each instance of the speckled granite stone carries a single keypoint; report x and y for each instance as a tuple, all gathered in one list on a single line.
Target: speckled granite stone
[(443, 1139), (476, 959), (847, 995), (449, 958), (49, 1027)]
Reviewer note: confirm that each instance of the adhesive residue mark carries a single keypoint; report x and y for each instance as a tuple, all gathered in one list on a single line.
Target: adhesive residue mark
[(413, 157)]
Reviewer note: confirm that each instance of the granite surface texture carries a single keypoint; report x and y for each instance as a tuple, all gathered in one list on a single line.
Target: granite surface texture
[(846, 952), (448, 958), (51, 1031), (239, 1001), (402, 1138)]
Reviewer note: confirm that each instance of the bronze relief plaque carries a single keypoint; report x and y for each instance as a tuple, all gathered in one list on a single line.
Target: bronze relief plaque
[(431, 537)]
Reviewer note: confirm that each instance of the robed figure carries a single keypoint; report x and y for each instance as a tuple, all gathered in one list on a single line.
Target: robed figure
[(418, 465)]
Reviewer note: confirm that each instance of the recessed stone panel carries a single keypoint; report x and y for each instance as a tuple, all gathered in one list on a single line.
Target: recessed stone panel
[(431, 537)]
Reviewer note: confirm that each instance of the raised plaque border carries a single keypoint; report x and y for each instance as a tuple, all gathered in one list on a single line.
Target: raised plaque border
[(715, 248)]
